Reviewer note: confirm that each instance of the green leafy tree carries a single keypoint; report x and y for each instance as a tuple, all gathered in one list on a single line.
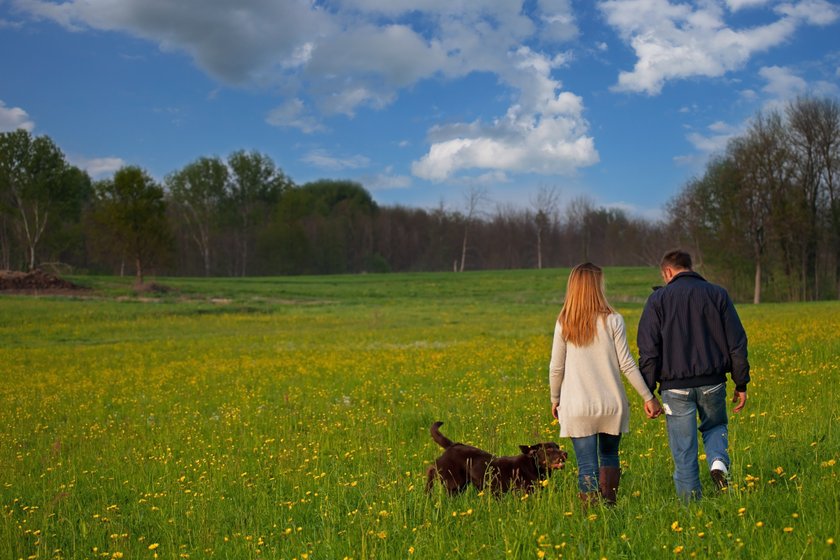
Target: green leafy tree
[(325, 226), (38, 188), (198, 191), (131, 211), (255, 186)]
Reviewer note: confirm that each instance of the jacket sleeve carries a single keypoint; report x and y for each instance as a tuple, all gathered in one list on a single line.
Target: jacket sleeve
[(736, 340), (557, 367), (649, 341)]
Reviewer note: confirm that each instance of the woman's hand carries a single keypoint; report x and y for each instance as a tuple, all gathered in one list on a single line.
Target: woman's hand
[(554, 410), (653, 408)]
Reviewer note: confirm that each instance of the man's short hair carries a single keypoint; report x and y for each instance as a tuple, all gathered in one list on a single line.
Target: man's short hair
[(676, 259)]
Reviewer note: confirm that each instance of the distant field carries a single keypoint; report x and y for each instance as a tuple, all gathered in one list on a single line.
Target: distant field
[(288, 418)]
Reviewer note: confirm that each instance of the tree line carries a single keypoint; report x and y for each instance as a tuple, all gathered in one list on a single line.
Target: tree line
[(765, 214), (764, 218)]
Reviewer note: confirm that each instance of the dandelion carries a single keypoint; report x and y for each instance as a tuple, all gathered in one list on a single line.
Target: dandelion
[(675, 526), (678, 549), (540, 554), (788, 529), (829, 541), (411, 550), (759, 524), (153, 546)]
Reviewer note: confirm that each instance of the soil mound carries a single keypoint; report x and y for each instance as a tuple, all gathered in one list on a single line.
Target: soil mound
[(35, 281)]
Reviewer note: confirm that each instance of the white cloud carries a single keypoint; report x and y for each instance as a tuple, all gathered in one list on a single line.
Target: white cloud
[(338, 57), (680, 40), (713, 141), (558, 20), (542, 132), (6, 24), (293, 114), (324, 160), (814, 12), (237, 42), (13, 118), (350, 54), (99, 167), (386, 180), (736, 5), (782, 83)]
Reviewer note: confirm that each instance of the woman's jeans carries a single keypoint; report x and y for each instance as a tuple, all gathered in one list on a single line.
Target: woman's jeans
[(682, 406), (587, 450)]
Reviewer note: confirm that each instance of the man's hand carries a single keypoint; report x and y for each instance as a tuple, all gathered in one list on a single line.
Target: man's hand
[(741, 399), (653, 408), (554, 410)]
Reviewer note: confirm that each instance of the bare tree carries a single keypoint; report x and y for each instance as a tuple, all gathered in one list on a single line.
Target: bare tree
[(474, 199), (577, 215), (803, 117), (827, 128), (545, 207), (763, 163)]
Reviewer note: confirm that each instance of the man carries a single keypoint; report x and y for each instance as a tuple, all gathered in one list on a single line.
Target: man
[(689, 338)]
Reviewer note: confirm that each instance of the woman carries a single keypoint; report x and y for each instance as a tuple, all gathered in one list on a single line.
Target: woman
[(587, 397)]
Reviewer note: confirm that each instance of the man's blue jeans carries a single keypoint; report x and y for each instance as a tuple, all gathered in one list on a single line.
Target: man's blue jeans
[(587, 450), (682, 406)]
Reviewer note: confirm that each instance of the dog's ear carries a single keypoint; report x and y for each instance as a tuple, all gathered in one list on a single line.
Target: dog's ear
[(526, 449)]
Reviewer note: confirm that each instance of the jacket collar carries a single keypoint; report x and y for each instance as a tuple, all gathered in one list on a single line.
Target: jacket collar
[(686, 274)]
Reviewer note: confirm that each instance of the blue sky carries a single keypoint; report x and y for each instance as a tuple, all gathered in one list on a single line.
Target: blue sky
[(620, 101)]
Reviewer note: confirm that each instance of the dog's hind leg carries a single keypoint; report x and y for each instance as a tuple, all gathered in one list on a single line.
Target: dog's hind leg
[(431, 475)]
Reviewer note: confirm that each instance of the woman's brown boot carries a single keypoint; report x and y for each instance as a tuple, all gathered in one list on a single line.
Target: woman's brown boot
[(608, 481), (589, 499)]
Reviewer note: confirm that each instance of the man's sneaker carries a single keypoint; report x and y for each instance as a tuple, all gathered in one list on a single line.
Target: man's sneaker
[(719, 478)]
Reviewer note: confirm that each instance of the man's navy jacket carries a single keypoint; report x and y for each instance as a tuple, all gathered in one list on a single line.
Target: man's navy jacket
[(690, 335)]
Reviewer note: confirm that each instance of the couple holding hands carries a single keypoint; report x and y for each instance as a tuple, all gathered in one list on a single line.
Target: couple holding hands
[(689, 338)]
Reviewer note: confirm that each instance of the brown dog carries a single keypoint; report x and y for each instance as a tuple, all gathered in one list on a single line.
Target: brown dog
[(462, 464)]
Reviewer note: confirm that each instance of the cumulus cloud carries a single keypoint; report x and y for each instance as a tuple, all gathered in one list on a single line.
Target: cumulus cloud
[(335, 58), (13, 118), (543, 132), (681, 40), (293, 114), (99, 167), (784, 84)]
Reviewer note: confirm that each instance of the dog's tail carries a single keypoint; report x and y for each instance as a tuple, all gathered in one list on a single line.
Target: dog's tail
[(439, 438)]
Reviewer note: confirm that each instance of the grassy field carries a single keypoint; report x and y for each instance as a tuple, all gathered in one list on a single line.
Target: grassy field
[(288, 418)]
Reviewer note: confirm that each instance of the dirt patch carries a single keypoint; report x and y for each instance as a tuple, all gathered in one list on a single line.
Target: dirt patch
[(36, 282)]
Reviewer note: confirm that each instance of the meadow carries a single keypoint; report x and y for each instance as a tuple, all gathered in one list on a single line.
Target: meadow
[(288, 418)]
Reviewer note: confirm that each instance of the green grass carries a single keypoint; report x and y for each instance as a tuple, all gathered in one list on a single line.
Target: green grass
[(288, 418)]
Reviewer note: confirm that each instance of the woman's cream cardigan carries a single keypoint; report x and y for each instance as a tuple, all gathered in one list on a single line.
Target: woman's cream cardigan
[(586, 381)]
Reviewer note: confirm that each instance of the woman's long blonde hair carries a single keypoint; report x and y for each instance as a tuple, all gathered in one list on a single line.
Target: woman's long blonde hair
[(585, 303)]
